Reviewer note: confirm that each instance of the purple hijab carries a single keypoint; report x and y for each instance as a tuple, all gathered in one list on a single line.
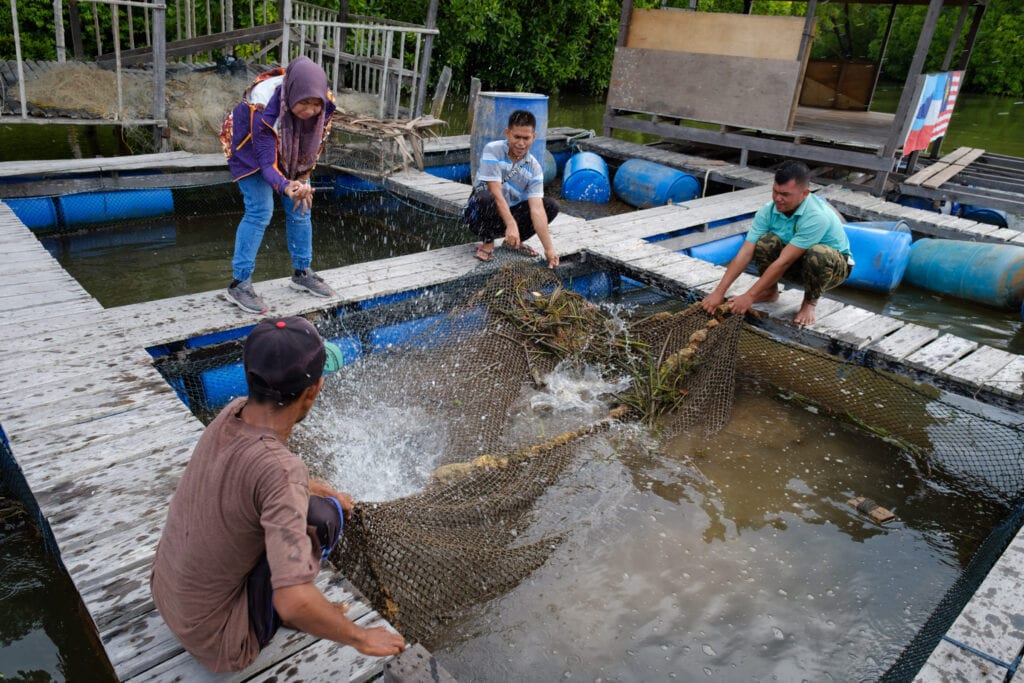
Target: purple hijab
[(300, 140)]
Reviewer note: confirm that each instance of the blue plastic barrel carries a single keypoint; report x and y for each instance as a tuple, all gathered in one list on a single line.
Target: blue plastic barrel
[(916, 203), (644, 184), (490, 118), (719, 252), (560, 159), (457, 172), (881, 252), (34, 212), (103, 207), (893, 226), (346, 185), (991, 274), (982, 214), (351, 349), (585, 179), (218, 337), (550, 167), (222, 384), (592, 285)]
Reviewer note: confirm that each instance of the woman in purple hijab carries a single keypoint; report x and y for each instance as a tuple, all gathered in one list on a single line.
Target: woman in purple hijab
[(272, 140)]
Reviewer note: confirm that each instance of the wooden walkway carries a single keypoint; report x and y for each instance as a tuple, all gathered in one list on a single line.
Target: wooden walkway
[(102, 441)]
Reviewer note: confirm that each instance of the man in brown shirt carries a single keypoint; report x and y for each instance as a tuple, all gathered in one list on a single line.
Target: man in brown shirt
[(247, 528)]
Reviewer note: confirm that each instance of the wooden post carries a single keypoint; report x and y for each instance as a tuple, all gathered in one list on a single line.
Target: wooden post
[(286, 30), (160, 77), (624, 18), (474, 92), (17, 58), (75, 22), (441, 92), (955, 38), (58, 30), (428, 50), (972, 36), (881, 52), (907, 98)]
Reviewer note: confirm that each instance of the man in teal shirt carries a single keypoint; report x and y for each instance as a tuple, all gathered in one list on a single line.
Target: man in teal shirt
[(798, 235)]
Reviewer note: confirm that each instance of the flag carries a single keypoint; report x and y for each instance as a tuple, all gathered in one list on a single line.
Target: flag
[(934, 110)]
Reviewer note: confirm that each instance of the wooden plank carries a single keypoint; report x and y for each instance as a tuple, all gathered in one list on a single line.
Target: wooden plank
[(904, 341), (1009, 381), (930, 170), (948, 662), (991, 620), (954, 168), (975, 368), (137, 647), (868, 330), (693, 86), (841, 319), (940, 353), (737, 35)]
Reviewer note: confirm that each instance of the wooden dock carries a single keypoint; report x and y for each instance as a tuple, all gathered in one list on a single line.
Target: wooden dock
[(78, 388), (102, 441)]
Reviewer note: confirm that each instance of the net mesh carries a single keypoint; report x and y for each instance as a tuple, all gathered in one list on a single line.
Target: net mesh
[(465, 352)]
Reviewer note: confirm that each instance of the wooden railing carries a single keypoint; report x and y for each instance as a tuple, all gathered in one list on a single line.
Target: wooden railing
[(369, 55)]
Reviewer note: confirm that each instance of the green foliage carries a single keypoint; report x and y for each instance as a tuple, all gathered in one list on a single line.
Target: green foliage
[(997, 63), (551, 45)]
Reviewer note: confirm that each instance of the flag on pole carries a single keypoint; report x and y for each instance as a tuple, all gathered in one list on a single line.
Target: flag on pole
[(934, 110)]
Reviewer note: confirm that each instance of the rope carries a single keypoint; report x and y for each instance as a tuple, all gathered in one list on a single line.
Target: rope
[(1011, 669)]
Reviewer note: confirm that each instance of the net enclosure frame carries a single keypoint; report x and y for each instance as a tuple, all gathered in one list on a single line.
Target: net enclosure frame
[(470, 346)]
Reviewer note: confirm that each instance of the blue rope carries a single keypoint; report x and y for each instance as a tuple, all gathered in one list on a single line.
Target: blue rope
[(1011, 668)]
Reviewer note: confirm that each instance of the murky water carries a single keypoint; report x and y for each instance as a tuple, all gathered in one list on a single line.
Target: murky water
[(737, 557)]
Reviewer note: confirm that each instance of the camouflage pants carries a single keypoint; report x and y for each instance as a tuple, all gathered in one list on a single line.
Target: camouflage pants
[(820, 269)]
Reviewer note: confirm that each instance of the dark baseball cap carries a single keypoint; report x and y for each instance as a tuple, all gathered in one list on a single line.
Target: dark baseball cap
[(282, 357)]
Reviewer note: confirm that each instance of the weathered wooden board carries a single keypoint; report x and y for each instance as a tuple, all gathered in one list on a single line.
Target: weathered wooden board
[(954, 664), (991, 620), (976, 368), (145, 642), (1009, 381), (904, 341), (738, 35), (868, 330), (705, 87), (941, 353)]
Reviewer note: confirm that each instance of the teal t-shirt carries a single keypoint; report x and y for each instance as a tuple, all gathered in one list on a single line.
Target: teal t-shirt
[(813, 222)]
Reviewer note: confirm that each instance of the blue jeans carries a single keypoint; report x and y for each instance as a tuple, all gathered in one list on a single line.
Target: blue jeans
[(259, 207)]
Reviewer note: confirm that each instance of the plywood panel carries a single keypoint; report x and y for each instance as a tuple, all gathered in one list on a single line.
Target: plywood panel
[(736, 91), (738, 35)]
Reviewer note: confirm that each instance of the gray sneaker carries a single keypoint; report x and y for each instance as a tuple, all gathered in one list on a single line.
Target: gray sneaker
[(244, 296), (308, 281)]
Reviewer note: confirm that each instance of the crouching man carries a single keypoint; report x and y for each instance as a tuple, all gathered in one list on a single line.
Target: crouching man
[(247, 528)]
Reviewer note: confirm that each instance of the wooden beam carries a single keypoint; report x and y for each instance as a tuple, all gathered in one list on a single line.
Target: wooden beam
[(428, 54), (862, 160), (191, 46)]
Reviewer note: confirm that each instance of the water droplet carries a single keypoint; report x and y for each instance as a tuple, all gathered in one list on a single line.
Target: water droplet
[(708, 650), (777, 633)]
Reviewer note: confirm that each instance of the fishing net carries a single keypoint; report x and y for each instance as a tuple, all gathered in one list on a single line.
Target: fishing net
[(461, 355)]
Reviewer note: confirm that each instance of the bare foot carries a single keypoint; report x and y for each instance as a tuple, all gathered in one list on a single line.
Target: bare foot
[(805, 316)]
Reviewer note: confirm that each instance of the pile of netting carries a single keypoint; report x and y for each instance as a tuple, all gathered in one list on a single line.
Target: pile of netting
[(464, 352), (426, 557)]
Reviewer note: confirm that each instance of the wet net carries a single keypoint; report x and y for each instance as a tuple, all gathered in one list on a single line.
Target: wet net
[(465, 352)]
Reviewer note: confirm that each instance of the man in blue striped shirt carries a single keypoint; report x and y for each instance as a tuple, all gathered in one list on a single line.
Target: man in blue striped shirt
[(508, 194)]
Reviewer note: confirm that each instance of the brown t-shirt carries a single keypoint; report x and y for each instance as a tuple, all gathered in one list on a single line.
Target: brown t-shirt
[(243, 492)]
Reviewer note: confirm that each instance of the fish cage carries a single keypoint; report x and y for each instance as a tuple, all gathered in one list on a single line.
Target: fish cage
[(488, 511)]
